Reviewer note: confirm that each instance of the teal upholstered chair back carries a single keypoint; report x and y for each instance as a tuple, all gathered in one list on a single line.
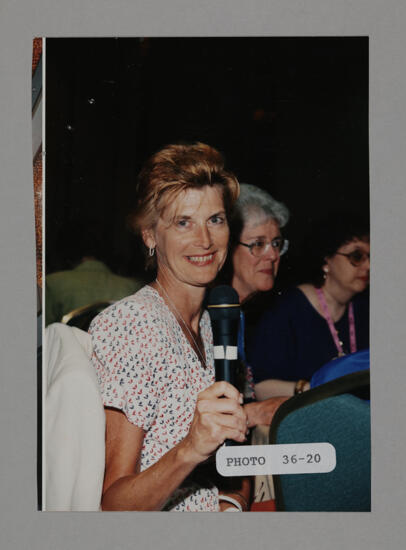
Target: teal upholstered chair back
[(342, 420)]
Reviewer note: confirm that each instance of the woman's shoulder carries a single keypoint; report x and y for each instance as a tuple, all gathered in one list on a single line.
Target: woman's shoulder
[(291, 297), (145, 303), (290, 304), (139, 326)]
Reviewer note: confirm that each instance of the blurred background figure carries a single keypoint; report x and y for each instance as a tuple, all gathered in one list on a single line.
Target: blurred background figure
[(86, 277), (317, 321)]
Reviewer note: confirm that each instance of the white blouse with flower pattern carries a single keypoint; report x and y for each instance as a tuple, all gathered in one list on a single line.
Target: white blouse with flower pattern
[(147, 368)]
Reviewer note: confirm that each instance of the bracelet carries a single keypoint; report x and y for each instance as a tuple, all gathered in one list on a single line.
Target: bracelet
[(232, 500), (299, 386), (242, 497)]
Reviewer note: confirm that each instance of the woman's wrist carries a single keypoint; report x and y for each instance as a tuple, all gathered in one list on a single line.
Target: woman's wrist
[(228, 499), (235, 498), (188, 455), (243, 501)]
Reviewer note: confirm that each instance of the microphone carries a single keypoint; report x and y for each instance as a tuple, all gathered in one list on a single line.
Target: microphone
[(224, 311)]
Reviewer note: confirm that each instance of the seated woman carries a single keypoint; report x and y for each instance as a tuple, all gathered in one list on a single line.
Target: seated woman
[(256, 248), (153, 351), (317, 321)]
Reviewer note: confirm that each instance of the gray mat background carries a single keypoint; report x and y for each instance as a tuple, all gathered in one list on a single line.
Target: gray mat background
[(21, 526)]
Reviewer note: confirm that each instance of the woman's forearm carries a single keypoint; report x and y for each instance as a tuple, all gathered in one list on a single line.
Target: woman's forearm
[(218, 416), (151, 488), (274, 388), (262, 412)]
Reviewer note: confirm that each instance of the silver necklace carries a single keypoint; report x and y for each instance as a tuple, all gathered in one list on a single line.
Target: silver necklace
[(180, 318)]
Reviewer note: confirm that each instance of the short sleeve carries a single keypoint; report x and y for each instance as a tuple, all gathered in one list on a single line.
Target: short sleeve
[(129, 354)]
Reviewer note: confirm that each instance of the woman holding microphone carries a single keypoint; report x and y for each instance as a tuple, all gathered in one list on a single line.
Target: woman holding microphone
[(153, 350)]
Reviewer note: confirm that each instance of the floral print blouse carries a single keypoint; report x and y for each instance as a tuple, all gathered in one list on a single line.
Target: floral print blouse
[(147, 368)]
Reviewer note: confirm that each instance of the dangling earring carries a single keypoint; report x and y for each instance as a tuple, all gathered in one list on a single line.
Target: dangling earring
[(151, 251), (325, 269)]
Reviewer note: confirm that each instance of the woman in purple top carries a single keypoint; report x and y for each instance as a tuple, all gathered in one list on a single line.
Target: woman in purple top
[(317, 321)]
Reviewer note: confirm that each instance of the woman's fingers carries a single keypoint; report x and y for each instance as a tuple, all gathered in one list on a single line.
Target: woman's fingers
[(220, 405), (221, 389), (225, 426), (224, 399), (218, 416)]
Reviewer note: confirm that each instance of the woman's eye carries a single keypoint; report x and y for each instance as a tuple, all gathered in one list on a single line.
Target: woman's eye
[(217, 220), (182, 223), (258, 245), (356, 255)]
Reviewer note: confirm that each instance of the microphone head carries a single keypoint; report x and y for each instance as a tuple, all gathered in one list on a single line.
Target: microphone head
[(223, 303)]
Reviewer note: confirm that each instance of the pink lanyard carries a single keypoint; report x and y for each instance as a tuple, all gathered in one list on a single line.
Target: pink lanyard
[(351, 323)]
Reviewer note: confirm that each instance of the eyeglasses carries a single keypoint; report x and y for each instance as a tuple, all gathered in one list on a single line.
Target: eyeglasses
[(260, 247), (356, 258)]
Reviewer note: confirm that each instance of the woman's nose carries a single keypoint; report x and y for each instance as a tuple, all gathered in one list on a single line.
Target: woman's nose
[(271, 254), (203, 237)]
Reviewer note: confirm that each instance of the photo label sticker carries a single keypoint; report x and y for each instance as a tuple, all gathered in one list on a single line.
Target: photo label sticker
[(293, 458)]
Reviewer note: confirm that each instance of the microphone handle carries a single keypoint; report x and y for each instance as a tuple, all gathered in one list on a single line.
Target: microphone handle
[(226, 362), (225, 335), (226, 370)]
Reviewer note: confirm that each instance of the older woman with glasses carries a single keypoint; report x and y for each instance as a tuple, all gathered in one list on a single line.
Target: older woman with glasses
[(324, 318), (256, 245)]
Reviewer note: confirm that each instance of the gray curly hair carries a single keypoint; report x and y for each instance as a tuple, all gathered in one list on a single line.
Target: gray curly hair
[(255, 202)]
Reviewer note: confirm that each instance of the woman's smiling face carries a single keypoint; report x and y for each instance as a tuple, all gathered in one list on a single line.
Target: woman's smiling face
[(251, 274), (191, 237)]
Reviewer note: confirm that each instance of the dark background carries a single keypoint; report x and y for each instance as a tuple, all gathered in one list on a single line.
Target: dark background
[(289, 114)]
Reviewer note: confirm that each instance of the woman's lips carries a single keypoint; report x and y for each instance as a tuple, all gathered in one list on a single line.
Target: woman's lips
[(365, 278), (201, 259), (266, 271)]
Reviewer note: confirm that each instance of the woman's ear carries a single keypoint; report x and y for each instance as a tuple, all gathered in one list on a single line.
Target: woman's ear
[(148, 238)]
